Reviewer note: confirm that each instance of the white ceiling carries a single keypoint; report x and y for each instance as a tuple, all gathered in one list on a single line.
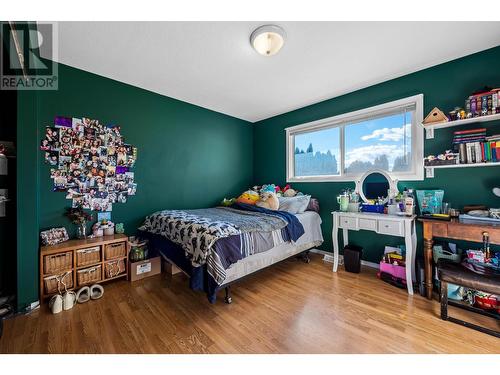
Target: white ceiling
[(211, 64)]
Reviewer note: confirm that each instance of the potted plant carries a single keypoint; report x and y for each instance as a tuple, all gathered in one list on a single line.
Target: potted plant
[(79, 217)]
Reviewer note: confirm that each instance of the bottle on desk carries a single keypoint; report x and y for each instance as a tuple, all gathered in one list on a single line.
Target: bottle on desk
[(409, 201)]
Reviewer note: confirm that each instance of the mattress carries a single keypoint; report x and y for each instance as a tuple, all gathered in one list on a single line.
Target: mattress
[(312, 237)]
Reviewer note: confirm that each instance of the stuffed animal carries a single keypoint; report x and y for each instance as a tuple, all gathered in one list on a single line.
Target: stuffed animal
[(268, 188), (227, 202), (268, 200), (290, 192), (248, 197)]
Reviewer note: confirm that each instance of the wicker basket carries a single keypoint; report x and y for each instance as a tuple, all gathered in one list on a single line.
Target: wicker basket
[(115, 250), (84, 257), (89, 275), (56, 263), (54, 284), (114, 268)]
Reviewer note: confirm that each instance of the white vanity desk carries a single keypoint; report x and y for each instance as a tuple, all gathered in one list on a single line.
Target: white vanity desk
[(394, 225), (377, 184)]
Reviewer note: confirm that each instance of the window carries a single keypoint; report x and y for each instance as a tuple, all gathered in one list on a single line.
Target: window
[(342, 148)]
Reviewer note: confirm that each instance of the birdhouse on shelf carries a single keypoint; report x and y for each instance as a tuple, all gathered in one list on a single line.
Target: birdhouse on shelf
[(435, 116)]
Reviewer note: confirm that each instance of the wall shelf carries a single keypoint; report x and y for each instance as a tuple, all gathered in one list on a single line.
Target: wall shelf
[(429, 171), (429, 129)]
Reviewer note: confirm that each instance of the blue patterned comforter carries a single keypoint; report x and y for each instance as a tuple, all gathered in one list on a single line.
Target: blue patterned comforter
[(245, 230)]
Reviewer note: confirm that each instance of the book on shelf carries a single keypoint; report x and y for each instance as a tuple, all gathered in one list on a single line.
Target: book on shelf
[(458, 132), (485, 103), (478, 152)]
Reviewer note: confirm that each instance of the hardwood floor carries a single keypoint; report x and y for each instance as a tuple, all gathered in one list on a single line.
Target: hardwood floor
[(292, 307)]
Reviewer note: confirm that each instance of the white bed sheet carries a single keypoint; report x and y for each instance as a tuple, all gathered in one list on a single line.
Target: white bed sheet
[(312, 237)]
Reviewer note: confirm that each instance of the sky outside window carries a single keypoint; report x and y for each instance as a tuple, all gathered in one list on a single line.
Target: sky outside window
[(383, 143)]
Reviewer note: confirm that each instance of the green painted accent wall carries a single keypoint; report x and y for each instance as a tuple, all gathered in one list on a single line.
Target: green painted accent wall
[(188, 156), (444, 86)]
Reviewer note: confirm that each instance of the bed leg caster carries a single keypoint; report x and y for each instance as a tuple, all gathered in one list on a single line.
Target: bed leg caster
[(228, 299), (305, 257)]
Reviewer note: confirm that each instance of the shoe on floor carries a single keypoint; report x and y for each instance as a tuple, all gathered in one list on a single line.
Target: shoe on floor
[(69, 300), (56, 304), (83, 295), (96, 291)]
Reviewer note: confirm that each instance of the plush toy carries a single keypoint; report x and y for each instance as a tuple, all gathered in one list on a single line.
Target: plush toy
[(248, 197), (268, 200), (227, 202), (290, 192), (268, 188)]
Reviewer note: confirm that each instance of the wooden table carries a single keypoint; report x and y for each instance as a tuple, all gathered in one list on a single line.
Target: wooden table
[(392, 225), (456, 230)]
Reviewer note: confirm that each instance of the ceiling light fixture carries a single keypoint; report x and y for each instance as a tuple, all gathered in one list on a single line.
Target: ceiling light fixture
[(267, 40)]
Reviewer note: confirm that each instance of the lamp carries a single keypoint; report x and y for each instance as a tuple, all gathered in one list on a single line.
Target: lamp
[(267, 40)]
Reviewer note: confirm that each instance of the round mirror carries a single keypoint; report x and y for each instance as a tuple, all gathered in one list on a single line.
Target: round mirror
[(376, 184)]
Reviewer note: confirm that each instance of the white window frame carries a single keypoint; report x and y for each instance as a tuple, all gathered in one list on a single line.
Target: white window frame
[(340, 121)]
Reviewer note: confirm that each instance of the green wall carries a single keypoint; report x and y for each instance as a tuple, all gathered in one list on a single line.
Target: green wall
[(444, 86), (188, 156)]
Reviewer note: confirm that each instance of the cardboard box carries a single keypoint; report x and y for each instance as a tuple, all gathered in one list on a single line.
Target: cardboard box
[(144, 268), (170, 268)]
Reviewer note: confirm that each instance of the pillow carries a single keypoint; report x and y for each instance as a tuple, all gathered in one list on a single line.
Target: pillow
[(313, 205), (294, 205)]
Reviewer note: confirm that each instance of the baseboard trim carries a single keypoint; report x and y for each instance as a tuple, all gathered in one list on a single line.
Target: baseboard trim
[(328, 257)]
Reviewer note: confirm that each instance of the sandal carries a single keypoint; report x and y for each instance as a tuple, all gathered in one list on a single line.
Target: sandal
[(96, 291), (83, 295)]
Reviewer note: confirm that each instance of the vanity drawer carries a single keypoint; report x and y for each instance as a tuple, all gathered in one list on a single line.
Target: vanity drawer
[(394, 228), (348, 222), (368, 224)]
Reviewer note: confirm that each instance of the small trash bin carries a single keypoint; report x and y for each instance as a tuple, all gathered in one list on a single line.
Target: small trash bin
[(352, 258)]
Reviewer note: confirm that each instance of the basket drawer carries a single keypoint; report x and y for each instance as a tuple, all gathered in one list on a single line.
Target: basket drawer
[(115, 250), (89, 275), (51, 283), (55, 263), (114, 268), (88, 256)]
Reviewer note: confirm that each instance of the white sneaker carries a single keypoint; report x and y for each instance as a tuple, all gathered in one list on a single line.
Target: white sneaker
[(56, 304), (68, 300)]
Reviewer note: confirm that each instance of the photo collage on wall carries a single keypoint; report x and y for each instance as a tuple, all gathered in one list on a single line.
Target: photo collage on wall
[(90, 162)]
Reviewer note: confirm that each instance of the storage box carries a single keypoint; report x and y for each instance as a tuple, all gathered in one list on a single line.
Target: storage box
[(115, 250), (377, 208), (145, 268), (89, 275), (170, 268), (391, 269)]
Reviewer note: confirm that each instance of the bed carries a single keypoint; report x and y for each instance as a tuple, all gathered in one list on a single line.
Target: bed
[(218, 246)]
